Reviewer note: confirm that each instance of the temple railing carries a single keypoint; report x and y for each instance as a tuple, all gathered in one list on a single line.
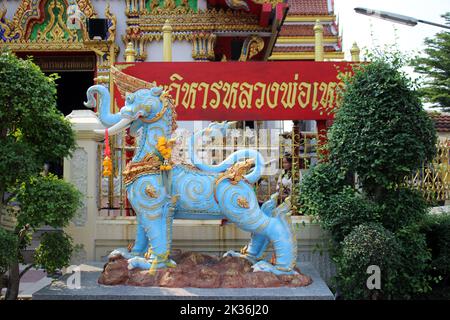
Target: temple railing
[(433, 179)]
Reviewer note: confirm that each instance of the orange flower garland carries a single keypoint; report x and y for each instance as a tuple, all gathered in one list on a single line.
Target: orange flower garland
[(164, 147)]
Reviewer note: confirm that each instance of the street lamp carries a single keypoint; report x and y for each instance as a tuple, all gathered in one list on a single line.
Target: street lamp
[(398, 18)]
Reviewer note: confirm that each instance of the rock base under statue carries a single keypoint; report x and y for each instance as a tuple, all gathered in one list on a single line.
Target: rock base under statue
[(196, 270), (90, 289)]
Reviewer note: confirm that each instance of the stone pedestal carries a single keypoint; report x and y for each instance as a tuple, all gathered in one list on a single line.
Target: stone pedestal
[(91, 290), (82, 170)]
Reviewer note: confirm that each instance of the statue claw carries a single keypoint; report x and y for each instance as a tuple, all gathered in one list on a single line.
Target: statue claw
[(264, 266), (232, 253), (142, 263), (124, 253)]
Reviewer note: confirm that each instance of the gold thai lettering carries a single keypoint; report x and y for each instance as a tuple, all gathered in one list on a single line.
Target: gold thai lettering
[(190, 96), (307, 95), (323, 100), (289, 95), (215, 87), (231, 95), (331, 95), (177, 86), (259, 103), (246, 95), (203, 86), (273, 91), (315, 103)]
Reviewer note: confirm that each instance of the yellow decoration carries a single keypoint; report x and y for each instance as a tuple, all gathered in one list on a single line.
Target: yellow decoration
[(107, 167), (152, 269), (164, 147)]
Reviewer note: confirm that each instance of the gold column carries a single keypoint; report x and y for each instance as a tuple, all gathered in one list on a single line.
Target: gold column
[(130, 53), (112, 140), (167, 41), (318, 35), (355, 51)]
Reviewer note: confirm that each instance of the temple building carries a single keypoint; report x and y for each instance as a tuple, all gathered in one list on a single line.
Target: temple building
[(76, 37)]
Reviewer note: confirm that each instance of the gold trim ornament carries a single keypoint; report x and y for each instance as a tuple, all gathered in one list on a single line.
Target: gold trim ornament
[(151, 191), (149, 165), (243, 203)]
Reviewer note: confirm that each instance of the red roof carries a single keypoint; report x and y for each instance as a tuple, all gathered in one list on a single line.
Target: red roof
[(441, 121), (301, 49), (308, 7), (303, 30)]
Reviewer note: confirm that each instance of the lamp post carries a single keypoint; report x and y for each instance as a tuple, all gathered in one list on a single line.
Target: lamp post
[(398, 18)]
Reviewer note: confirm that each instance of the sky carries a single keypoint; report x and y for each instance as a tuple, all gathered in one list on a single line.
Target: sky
[(368, 31)]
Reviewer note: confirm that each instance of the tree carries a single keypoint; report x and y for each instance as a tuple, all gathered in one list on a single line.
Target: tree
[(436, 67), (32, 132), (380, 135)]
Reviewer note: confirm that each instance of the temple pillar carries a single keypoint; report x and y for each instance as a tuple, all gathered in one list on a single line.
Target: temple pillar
[(355, 52), (167, 41), (318, 43), (82, 170)]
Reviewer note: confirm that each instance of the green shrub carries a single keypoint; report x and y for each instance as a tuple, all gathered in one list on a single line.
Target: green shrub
[(47, 200), (415, 258), (380, 134), (8, 249), (381, 131), (366, 245), (345, 210), (32, 131), (54, 251), (402, 206), (322, 181), (437, 230)]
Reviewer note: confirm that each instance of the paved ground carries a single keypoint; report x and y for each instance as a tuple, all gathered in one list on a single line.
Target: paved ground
[(31, 282)]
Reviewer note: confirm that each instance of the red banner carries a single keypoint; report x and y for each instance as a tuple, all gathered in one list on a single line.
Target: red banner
[(297, 90)]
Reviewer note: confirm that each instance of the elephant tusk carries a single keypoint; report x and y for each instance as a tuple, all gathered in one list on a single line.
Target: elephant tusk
[(119, 126)]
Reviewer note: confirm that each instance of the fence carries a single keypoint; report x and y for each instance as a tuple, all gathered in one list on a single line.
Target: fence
[(433, 179)]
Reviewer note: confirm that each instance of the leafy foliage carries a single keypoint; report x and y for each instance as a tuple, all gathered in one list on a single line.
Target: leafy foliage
[(15, 155), (415, 258), (318, 184), (366, 245), (402, 206), (381, 132), (46, 200), (436, 66), (380, 135), (54, 251), (8, 249), (437, 230), (32, 130), (342, 211)]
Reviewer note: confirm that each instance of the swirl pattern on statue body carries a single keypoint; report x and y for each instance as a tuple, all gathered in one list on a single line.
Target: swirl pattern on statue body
[(197, 191)]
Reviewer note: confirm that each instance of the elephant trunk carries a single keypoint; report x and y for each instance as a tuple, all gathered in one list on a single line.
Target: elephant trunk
[(107, 118)]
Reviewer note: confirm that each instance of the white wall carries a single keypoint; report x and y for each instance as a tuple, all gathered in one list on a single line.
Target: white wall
[(181, 51)]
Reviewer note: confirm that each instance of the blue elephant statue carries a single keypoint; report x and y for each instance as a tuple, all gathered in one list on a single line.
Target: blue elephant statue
[(160, 190)]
